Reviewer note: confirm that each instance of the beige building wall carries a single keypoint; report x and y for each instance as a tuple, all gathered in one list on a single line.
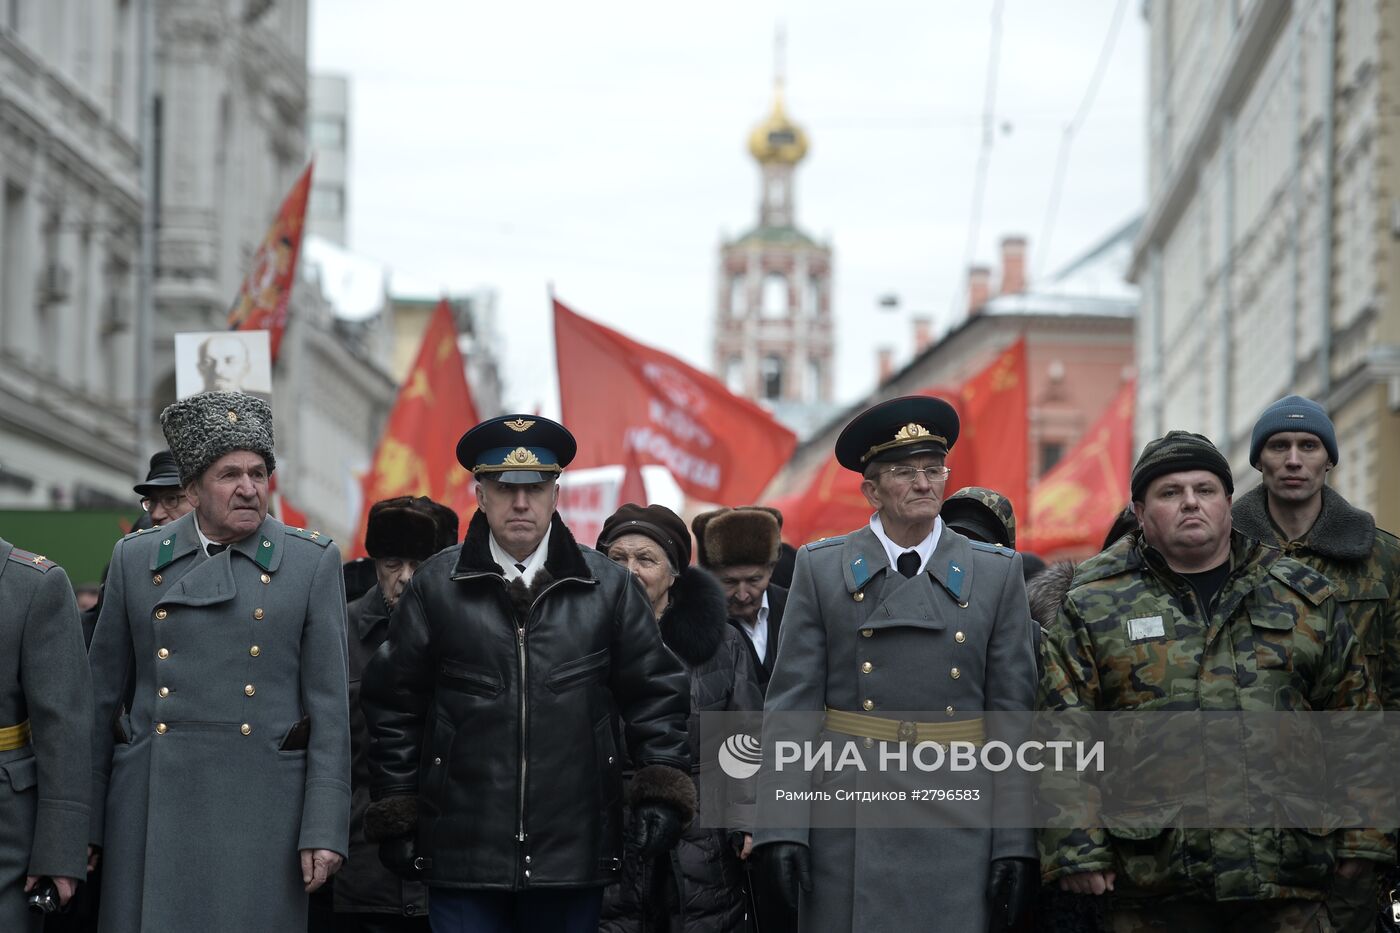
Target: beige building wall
[(1268, 250)]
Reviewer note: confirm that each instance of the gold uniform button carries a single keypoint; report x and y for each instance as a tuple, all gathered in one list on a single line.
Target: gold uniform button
[(245, 729), (955, 673), (959, 638), (858, 596), (867, 632), (163, 653), (160, 728), (255, 651), (161, 614), (869, 742), (266, 578), (163, 692), (949, 711), (868, 705), (157, 579), (867, 667), (249, 689), (257, 613)]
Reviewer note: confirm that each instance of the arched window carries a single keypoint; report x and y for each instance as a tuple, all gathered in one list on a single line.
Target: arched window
[(738, 296), (772, 377), (775, 295)]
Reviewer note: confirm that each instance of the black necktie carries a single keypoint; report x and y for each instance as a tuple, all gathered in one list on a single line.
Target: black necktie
[(216, 549), (520, 567), (908, 563)]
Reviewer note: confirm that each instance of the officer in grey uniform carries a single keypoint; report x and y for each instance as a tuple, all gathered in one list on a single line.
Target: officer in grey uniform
[(223, 797), (45, 703), (908, 616)]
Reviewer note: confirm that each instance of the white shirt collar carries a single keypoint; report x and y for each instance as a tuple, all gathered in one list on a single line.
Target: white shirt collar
[(924, 548), (204, 540), (533, 563)]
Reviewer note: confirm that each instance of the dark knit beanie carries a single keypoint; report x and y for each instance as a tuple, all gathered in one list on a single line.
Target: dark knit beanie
[(658, 523), (1178, 452), (1293, 413)]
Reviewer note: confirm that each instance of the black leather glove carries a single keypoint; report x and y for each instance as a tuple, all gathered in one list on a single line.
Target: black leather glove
[(1011, 889), (656, 828), (787, 866), (400, 856)]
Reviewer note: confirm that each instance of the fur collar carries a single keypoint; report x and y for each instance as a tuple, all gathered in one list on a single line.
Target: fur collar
[(1047, 589), (693, 624), (1341, 532), (563, 560)]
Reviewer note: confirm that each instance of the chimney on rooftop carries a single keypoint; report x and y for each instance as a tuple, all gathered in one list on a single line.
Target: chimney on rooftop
[(923, 332), (1013, 265), (979, 288), (885, 360)]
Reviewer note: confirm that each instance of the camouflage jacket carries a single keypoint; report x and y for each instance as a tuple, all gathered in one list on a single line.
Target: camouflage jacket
[(1275, 639), (1363, 563)]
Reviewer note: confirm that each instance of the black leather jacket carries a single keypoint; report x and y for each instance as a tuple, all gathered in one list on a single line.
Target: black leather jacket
[(503, 730)]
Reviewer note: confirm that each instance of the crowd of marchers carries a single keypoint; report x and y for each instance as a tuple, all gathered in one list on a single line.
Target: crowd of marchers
[(495, 729)]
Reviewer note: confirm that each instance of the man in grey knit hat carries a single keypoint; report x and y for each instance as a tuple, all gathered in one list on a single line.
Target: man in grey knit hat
[(222, 797), (1294, 447)]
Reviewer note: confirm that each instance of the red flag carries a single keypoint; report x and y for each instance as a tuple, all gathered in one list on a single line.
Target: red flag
[(993, 446), (634, 487), (262, 300), (1074, 504), (289, 514), (418, 453), (616, 394)]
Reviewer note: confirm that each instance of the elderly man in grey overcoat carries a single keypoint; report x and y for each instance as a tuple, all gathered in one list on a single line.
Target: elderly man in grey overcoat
[(904, 615), (222, 797), (45, 703)]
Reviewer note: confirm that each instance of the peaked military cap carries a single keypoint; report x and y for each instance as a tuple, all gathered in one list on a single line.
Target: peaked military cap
[(982, 514), (202, 428), (517, 449), (898, 428), (163, 476)]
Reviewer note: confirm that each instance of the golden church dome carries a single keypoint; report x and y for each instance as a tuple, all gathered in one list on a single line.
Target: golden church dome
[(778, 139)]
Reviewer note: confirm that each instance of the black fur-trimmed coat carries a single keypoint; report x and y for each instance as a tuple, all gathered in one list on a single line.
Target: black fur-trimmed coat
[(490, 711), (699, 887)]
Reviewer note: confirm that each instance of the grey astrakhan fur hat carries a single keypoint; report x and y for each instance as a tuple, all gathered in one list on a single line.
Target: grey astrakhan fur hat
[(202, 428)]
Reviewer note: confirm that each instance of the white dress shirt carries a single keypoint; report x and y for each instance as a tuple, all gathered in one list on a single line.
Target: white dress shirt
[(758, 632), (532, 564), (892, 551)]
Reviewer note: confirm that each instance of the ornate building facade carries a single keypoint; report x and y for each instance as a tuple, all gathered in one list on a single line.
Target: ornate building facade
[(773, 328)]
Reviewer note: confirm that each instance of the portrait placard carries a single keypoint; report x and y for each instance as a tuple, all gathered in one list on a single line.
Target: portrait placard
[(223, 361)]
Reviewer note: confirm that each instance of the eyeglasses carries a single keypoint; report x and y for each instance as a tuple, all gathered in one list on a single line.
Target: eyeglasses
[(905, 474), (168, 501)]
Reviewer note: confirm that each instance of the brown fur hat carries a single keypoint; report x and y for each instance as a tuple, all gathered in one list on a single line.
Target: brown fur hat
[(728, 537), (409, 528)]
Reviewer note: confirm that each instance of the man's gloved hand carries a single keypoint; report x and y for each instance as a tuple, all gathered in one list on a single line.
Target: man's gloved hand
[(400, 856), (1011, 889), (656, 828), (788, 867)]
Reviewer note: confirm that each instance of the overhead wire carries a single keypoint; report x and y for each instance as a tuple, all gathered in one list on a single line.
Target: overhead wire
[(984, 151), (1072, 128)]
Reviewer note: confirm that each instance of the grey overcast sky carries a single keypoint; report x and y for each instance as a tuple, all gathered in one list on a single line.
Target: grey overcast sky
[(601, 146)]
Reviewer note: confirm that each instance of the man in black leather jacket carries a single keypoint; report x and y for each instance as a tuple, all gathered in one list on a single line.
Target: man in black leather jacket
[(493, 770)]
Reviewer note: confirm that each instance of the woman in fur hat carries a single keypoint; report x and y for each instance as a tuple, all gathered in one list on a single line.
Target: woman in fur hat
[(698, 887)]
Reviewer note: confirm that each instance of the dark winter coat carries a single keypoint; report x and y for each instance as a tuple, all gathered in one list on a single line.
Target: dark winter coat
[(763, 667), (698, 888), (363, 884), (490, 717)]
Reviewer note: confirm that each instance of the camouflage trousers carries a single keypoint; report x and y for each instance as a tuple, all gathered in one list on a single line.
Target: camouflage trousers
[(1227, 917), (1354, 902)]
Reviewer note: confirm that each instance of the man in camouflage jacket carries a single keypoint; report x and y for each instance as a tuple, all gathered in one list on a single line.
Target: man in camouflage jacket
[(1189, 614), (1294, 446)]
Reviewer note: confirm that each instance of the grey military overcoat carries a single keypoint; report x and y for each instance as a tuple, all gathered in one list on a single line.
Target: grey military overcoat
[(949, 642), (44, 776), (201, 796)]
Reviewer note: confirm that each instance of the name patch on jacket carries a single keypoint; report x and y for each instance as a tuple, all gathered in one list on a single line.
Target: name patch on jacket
[(1146, 627)]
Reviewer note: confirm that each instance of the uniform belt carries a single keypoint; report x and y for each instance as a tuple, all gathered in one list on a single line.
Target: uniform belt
[(865, 726), (13, 737)]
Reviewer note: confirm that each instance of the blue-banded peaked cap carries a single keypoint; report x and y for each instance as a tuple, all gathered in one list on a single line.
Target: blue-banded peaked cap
[(898, 428), (517, 449)]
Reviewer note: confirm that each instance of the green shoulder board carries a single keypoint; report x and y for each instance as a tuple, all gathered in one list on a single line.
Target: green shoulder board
[(309, 535), (825, 542), (37, 561), (991, 548)]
